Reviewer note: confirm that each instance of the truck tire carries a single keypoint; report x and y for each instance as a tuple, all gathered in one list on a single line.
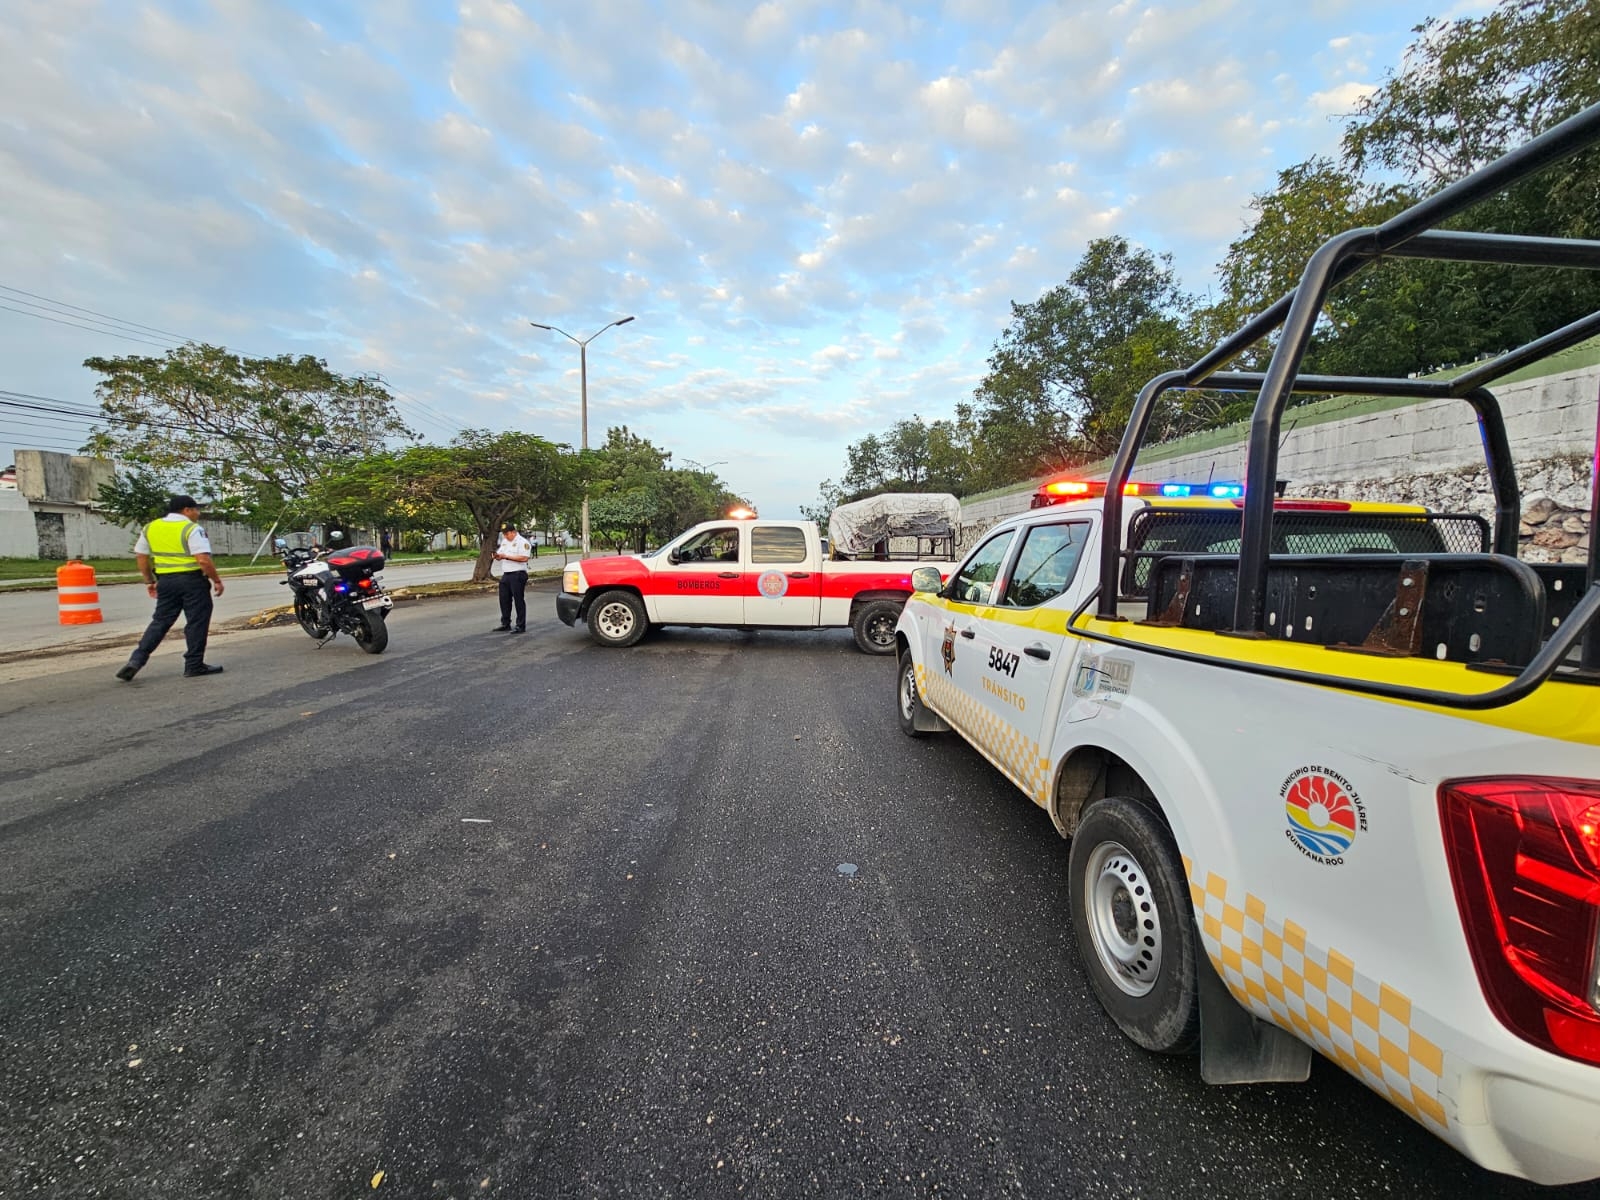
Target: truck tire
[(1135, 926), (616, 618), (372, 633), (908, 701), (873, 625)]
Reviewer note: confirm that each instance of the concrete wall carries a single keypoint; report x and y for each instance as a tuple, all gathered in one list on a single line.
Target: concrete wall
[(49, 515), (1426, 453), (43, 475)]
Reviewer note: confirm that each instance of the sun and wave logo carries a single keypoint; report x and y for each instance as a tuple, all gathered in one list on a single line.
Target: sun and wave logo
[(1324, 813)]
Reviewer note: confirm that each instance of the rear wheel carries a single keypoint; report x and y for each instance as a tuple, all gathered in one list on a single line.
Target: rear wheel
[(1134, 924), (616, 618), (873, 625), (909, 700), (372, 632)]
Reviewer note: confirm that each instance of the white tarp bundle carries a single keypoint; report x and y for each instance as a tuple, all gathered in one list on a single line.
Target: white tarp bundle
[(855, 528)]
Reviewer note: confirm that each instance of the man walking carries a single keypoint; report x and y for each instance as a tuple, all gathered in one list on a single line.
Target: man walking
[(174, 557), (511, 564)]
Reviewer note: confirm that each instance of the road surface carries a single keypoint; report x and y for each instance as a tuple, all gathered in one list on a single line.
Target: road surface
[(519, 916)]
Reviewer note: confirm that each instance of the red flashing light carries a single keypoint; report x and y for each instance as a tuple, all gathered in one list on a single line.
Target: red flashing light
[(1524, 857), (1305, 505)]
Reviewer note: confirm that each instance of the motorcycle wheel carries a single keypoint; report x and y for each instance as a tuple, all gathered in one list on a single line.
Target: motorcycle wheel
[(305, 611), (372, 633)]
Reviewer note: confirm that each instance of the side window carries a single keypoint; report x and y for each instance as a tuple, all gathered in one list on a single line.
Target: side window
[(974, 583), (777, 544), (1046, 564), (711, 545)]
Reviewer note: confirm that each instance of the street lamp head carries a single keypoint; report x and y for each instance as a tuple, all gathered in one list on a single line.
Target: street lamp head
[(624, 321), (536, 325)]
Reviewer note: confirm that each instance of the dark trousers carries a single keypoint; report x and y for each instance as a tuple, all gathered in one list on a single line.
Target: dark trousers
[(512, 586), (186, 592)]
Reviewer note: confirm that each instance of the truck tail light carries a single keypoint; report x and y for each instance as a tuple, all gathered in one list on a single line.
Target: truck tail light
[(1525, 860)]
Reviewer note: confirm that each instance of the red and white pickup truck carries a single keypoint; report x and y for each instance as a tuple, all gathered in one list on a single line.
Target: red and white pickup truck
[(751, 574)]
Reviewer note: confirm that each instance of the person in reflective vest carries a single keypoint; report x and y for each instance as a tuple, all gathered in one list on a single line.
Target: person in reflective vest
[(174, 558)]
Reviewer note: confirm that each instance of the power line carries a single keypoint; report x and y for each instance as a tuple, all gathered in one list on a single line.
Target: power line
[(134, 332), (90, 328), (5, 287)]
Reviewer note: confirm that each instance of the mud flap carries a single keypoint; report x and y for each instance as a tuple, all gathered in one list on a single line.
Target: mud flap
[(928, 721), (1238, 1047)]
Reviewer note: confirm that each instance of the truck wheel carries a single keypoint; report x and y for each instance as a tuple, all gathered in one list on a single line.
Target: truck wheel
[(909, 700), (1134, 925), (874, 624), (616, 618), (372, 632)]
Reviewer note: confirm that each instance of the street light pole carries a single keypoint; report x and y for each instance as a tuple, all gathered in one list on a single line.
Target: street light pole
[(583, 399)]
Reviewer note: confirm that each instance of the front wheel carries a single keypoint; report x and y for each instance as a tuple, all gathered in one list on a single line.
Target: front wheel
[(909, 700), (305, 611), (873, 625), (616, 618), (1134, 924), (372, 632)]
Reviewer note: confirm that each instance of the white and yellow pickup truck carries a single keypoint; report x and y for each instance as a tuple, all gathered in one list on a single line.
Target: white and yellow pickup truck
[(1330, 771)]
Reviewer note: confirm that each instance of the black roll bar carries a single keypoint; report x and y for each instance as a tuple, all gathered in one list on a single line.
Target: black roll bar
[(1411, 234)]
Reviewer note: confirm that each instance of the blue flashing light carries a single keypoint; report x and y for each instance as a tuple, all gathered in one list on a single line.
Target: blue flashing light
[(1227, 491), (1175, 489)]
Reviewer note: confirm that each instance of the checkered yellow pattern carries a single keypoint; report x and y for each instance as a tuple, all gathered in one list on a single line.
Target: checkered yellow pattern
[(1019, 758), (1364, 1025)]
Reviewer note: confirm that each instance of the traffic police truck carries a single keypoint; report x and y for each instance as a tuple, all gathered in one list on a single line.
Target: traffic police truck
[(1330, 771)]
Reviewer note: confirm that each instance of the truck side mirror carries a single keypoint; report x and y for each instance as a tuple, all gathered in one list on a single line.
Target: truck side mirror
[(926, 579)]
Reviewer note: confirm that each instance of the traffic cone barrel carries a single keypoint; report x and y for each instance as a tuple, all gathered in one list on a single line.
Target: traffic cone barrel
[(77, 594)]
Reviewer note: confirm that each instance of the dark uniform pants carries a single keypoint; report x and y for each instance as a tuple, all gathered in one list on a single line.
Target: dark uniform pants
[(512, 586), (186, 592)]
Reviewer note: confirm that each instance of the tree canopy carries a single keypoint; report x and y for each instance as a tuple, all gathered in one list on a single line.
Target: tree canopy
[(249, 433)]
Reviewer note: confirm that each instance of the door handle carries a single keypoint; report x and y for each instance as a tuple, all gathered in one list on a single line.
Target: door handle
[(1037, 651), (799, 574), (727, 574), (967, 633)]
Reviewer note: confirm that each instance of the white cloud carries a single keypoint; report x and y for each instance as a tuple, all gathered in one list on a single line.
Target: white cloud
[(819, 213)]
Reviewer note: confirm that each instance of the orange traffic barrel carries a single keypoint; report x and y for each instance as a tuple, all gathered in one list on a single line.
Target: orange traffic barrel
[(77, 595)]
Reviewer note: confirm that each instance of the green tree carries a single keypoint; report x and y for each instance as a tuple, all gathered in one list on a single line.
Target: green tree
[(248, 432), (133, 498), (488, 477), (1065, 371)]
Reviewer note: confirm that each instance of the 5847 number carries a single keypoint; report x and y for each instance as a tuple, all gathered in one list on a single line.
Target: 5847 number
[(1002, 662)]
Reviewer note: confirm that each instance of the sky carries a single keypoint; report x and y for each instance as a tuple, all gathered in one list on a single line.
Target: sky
[(818, 213)]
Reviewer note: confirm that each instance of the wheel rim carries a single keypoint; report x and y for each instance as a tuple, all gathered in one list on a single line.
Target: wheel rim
[(615, 620), (880, 630), (1124, 924), (908, 692)]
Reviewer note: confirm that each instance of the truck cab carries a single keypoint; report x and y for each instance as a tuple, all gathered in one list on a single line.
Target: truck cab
[(1330, 772)]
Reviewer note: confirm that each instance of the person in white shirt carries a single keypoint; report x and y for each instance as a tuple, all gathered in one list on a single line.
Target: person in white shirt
[(511, 564)]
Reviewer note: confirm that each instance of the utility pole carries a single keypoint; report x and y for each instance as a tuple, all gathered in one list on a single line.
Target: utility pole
[(583, 400)]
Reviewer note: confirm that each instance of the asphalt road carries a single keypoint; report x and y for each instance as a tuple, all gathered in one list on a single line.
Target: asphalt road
[(524, 917)]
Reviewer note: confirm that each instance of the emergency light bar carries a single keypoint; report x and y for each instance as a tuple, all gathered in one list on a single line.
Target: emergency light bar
[(1059, 491)]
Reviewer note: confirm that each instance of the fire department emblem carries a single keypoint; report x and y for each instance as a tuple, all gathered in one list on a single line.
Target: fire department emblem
[(947, 652), (772, 584)]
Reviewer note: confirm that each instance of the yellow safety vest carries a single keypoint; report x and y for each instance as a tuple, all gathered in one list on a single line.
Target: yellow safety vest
[(169, 546)]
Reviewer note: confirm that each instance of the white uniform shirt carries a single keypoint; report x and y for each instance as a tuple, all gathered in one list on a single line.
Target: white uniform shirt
[(514, 543), (197, 543)]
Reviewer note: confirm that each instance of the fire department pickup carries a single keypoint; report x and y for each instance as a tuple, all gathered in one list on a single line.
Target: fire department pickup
[(1330, 771), (741, 574)]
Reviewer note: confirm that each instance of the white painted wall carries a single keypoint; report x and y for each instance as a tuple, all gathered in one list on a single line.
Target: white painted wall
[(1417, 453)]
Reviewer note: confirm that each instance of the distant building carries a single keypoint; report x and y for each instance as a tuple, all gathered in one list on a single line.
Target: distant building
[(48, 511)]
